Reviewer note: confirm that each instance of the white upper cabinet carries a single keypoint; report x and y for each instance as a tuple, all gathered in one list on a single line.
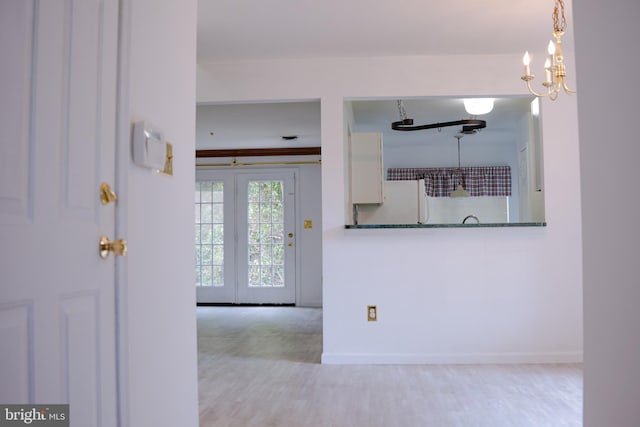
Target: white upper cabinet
[(366, 168)]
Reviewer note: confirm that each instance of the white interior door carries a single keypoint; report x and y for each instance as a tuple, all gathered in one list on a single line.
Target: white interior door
[(245, 237), (57, 144)]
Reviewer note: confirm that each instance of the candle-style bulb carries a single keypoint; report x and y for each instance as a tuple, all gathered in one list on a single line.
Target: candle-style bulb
[(551, 48), (526, 60), (547, 69)]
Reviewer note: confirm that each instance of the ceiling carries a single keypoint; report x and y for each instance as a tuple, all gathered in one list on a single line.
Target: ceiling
[(259, 125), (251, 29), (245, 30)]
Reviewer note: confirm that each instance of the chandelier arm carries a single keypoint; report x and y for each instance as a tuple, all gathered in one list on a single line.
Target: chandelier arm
[(528, 80), (566, 88)]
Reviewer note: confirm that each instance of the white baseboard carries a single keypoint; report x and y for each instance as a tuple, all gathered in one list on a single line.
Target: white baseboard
[(450, 359)]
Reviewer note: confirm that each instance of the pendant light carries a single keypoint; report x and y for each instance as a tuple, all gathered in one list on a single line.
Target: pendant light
[(459, 191)]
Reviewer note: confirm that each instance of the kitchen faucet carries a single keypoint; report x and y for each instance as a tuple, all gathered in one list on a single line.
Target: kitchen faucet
[(464, 221)]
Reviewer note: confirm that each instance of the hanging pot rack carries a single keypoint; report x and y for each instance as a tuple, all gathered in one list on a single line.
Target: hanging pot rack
[(469, 126)]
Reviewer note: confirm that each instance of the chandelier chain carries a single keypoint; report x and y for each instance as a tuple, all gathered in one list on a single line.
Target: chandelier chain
[(559, 20)]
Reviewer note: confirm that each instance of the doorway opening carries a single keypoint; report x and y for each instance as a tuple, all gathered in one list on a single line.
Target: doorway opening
[(258, 233), (258, 236)]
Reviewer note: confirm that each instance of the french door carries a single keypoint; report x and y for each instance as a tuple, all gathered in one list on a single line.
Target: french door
[(245, 236)]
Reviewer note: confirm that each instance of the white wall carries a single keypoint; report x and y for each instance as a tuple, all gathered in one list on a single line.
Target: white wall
[(446, 155), (443, 295), (609, 153), (159, 295), (309, 262)]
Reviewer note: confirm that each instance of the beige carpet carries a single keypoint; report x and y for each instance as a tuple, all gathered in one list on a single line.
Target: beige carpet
[(260, 367)]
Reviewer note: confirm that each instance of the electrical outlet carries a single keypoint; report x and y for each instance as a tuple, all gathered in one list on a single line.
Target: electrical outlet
[(372, 313)]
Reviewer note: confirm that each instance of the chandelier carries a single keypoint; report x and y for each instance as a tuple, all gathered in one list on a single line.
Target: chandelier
[(556, 74)]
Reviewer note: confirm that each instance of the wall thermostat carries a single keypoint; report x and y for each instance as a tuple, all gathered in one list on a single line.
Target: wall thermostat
[(149, 147)]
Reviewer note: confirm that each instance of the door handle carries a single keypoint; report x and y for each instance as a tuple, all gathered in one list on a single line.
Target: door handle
[(117, 247)]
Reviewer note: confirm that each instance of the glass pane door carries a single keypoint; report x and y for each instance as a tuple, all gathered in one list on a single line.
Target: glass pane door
[(214, 230), (266, 239), (209, 232)]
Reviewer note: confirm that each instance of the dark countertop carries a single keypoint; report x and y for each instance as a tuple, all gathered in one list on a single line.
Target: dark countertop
[(504, 224)]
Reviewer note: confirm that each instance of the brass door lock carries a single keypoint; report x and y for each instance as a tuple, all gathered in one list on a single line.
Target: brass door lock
[(107, 195)]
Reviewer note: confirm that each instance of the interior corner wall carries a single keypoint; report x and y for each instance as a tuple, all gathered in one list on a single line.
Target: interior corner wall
[(609, 153), (482, 295), (160, 384), (310, 239)]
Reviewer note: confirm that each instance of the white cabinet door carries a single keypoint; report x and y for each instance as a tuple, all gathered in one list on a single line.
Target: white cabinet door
[(366, 168), (57, 144)]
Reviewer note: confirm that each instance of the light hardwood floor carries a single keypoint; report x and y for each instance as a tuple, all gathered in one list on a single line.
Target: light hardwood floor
[(260, 367)]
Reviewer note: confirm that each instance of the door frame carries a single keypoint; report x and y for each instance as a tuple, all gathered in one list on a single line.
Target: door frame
[(131, 181), (122, 160)]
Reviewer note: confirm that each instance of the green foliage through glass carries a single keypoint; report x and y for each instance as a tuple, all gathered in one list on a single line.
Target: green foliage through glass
[(265, 214)]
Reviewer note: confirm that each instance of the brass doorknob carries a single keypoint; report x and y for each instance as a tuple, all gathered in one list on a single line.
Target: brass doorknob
[(117, 247)]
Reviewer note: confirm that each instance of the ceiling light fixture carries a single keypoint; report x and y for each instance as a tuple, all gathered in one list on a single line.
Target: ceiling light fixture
[(478, 106), (554, 65)]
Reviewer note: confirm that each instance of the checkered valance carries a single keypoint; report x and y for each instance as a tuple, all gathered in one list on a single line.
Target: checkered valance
[(440, 182)]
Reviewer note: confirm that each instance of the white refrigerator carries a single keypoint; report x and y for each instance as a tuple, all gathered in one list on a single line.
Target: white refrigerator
[(404, 202)]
